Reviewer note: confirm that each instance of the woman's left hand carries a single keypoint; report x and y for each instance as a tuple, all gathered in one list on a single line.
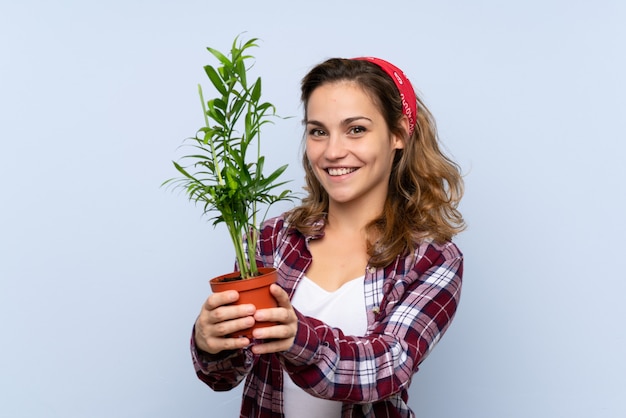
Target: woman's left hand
[(278, 337)]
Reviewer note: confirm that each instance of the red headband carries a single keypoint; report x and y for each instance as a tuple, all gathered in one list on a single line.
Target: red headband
[(407, 94)]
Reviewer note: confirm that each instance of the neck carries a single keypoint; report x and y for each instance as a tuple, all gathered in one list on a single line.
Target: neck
[(351, 217)]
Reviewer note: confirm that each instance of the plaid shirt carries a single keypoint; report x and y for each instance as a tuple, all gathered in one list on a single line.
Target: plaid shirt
[(410, 304)]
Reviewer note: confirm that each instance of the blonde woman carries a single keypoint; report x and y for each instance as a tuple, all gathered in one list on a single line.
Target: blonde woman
[(369, 279)]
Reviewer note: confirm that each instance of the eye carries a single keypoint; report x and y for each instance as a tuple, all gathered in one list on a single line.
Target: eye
[(357, 130), (317, 132)]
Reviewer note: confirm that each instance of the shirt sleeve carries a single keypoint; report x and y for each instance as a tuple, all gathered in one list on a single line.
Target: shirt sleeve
[(416, 310), (222, 371)]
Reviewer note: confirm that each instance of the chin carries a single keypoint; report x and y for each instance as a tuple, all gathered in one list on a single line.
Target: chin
[(340, 198)]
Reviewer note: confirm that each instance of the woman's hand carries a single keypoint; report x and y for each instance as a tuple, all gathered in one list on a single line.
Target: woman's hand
[(218, 319), (278, 337)]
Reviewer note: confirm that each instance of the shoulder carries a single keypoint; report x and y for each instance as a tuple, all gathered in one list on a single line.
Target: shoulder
[(278, 225), (282, 246), (440, 264), (429, 256), (273, 225), (274, 232), (442, 251)]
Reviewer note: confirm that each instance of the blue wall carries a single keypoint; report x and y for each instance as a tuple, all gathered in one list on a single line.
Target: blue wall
[(102, 272)]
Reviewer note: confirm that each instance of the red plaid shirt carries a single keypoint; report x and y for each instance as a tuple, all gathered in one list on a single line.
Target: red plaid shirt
[(410, 304)]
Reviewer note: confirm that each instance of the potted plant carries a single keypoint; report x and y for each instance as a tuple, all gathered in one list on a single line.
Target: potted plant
[(224, 173)]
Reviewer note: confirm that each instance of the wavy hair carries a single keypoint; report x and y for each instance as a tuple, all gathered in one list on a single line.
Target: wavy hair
[(425, 185)]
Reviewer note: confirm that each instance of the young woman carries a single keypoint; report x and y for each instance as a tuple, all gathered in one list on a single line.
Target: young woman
[(369, 279)]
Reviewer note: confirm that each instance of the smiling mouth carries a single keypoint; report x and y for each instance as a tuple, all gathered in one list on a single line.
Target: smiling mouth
[(340, 171)]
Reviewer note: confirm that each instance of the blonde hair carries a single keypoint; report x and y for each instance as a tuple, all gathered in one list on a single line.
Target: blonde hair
[(425, 185)]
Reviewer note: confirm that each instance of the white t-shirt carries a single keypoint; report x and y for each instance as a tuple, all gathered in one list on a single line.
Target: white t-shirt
[(344, 309)]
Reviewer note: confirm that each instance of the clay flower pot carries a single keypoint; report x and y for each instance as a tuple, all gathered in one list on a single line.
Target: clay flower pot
[(255, 290)]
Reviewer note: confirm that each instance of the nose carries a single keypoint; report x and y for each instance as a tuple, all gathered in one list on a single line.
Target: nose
[(335, 148)]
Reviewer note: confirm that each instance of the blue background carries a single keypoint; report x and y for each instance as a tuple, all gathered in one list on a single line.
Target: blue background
[(102, 272)]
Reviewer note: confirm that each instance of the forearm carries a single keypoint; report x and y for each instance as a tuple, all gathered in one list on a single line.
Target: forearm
[(222, 371), (415, 315), (345, 368)]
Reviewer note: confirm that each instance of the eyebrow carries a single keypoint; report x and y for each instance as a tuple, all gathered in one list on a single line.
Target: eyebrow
[(346, 121)]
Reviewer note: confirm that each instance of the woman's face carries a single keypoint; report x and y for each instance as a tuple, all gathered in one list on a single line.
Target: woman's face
[(349, 145)]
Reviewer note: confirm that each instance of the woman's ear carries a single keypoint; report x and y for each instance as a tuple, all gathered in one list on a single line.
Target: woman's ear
[(400, 142)]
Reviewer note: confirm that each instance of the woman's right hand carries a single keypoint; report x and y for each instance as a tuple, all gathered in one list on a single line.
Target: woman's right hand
[(218, 318)]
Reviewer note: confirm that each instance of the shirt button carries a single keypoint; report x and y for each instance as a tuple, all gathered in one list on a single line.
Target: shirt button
[(371, 269)]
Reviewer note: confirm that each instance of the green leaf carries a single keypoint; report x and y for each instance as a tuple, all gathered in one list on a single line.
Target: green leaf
[(216, 79), (256, 90), (221, 57), (216, 114)]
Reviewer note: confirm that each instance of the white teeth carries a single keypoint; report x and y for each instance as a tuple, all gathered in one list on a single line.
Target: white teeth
[(340, 171)]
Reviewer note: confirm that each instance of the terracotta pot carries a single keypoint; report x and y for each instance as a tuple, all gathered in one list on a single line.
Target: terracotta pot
[(255, 290)]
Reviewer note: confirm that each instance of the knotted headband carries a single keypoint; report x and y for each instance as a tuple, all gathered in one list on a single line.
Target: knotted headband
[(407, 94)]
